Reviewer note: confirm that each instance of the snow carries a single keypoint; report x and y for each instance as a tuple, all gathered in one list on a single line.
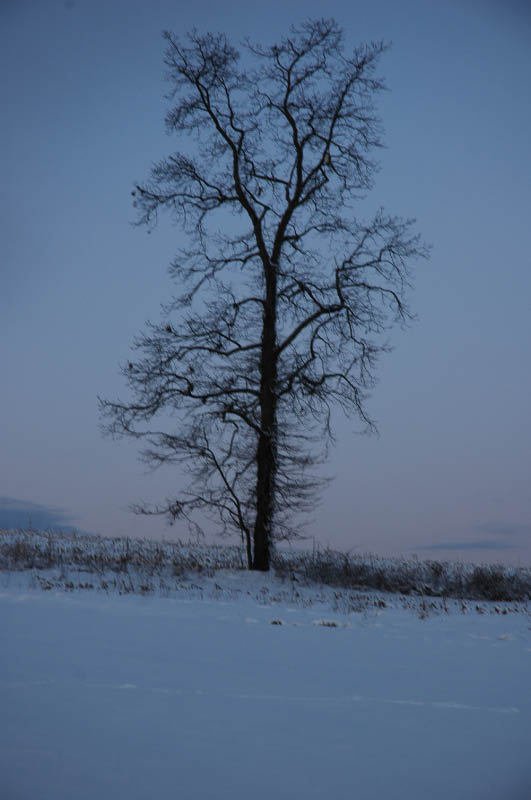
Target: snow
[(227, 688)]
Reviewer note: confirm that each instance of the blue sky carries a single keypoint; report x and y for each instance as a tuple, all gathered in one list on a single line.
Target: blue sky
[(83, 110)]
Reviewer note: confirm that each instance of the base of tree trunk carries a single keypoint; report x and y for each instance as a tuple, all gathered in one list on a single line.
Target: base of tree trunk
[(260, 567)]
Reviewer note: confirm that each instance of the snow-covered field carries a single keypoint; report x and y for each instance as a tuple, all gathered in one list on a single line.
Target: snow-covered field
[(240, 686)]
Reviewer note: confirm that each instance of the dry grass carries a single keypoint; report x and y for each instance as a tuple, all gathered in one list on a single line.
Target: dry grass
[(153, 562), (410, 577)]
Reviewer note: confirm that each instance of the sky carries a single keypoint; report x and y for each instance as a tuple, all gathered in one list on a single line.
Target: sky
[(83, 106)]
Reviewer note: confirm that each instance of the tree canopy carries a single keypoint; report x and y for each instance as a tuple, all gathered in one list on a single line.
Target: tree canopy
[(284, 291)]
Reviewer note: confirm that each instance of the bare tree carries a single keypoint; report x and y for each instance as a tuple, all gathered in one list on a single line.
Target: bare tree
[(284, 291)]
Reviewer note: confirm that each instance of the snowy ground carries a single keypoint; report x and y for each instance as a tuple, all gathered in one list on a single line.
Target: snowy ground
[(198, 695)]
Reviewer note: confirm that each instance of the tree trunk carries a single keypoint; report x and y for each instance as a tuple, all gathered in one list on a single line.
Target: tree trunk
[(266, 456), (265, 488), (248, 549)]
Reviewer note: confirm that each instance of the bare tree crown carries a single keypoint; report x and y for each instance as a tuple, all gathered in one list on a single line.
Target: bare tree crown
[(285, 292)]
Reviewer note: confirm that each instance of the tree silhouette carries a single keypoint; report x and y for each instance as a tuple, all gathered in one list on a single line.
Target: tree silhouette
[(284, 291)]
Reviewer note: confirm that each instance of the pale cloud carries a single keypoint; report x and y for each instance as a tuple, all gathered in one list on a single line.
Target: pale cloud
[(480, 544)]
